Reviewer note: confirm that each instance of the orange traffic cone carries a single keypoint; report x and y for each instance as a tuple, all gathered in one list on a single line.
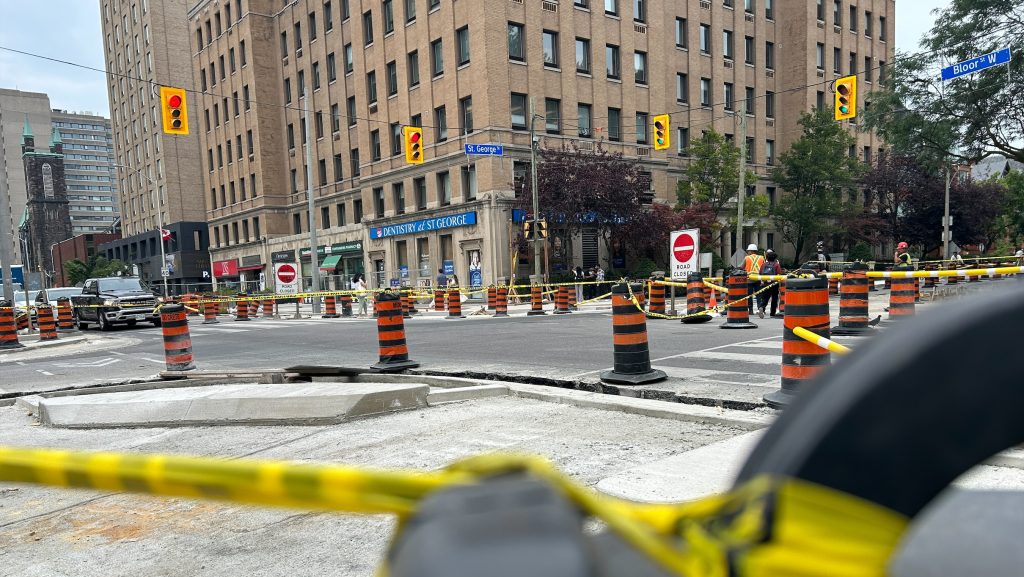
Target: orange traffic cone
[(713, 304)]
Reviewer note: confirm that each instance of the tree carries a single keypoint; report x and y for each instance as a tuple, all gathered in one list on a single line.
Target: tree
[(974, 206), (968, 118), (97, 266), (648, 237), (814, 172), (1012, 218), (888, 186), (713, 174)]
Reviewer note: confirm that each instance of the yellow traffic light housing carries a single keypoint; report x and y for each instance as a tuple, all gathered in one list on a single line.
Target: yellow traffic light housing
[(542, 228), (846, 98), (528, 229), (174, 110), (413, 136), (662, 140)]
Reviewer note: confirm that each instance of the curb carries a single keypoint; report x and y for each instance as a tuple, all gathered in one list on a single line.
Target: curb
[(31, 346)]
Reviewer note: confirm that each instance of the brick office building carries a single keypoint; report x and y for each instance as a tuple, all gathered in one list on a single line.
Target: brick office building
[(597, 70)]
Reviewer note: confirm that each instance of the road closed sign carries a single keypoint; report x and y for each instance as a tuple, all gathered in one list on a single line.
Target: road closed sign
[(684, 253), (286, 278)]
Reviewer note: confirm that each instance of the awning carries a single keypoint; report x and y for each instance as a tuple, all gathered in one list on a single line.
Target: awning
[(251, 267), (330, 263)]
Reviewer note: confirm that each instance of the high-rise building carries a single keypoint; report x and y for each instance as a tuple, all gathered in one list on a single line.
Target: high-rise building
[(158, 176), (89, 171), (594, 70)]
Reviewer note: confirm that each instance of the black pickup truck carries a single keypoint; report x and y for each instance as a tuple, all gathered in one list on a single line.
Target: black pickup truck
[(114, 300)]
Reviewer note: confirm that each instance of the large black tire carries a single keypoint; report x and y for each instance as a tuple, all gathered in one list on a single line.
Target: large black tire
[(906, 414), (104, 323)]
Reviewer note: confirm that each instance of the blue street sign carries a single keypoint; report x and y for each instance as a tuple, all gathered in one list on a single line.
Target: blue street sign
[(485, 149), (976, 64), (403, 271)]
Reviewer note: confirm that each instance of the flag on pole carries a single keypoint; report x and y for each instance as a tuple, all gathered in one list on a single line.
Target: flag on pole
[(165, 234)]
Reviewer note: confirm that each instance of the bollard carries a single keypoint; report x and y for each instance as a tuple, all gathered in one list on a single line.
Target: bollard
[(439, 300), (738, 316), (853, 302), (454, 305), (394, 353), (695, 302), (657, 303), (632, 356), (210, 309), (492, 298), (8, 327), (536, 303), (330, 308), (501, 304), (801, 361), (47, 326), (901, 297), (241, 309), (562, 300), (346, 306), (65, 318), (177, 342)]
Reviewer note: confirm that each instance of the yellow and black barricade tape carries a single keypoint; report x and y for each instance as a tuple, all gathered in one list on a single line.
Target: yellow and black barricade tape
[(705, 312)]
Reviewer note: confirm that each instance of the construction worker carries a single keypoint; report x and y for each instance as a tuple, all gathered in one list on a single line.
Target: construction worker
[(902, 256), (752, 264), (771, 266)]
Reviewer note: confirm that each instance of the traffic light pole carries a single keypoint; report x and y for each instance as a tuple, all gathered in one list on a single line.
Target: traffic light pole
[(313, 261), (6, 242), (945, 218), (536, 198), (159, 220)]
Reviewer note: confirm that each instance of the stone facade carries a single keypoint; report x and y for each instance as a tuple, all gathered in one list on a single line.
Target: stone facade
[(48, 219)]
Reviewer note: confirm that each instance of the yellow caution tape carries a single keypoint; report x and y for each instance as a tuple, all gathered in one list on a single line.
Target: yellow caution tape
[(821, 341), (602, 297), (765, 528)]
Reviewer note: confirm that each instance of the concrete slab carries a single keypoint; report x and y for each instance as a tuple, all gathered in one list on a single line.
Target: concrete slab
[(466, 394), (685, 477), (29, 404), (248, 404)]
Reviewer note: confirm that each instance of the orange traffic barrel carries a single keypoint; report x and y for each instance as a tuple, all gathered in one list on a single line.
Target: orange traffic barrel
[(438, 300), (631, 352), (930, 281), (65, 316), (47, 326), (394, 353), (241, 309), (562, 300), (917, 290), (22, 320), (330, 308), (346, 306), (454, 305), (853, 302), (807, 307), (404, 299), (738, 316), (782, 297), (833, 286), (888, 280), (573, 305), (536, 302), (657, 302), (952, 279), (8, 327), (177, 342), (492, 298), (254, 309), (501, 302), (901, 297), (268, 308), (695, 303), (210, 309)]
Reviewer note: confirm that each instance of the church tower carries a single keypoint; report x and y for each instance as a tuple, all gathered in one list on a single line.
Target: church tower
[(47, 219)]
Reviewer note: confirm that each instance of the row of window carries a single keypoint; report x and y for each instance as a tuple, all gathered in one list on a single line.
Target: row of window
[(91, 208), (87, 197), (837, 58), (231, 194), (237, 148), (220, 68), (869, 21), (238, 105), (220, 233), (78, 125)]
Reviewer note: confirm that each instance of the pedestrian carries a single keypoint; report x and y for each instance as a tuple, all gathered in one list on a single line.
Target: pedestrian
[(902, 256), (599, 278), (360, 286), (453, 281), (771, 266), (577, 275), (588, 288), (752, 264), (957, 259), (1020, 256), (821, 258), (442, 279)]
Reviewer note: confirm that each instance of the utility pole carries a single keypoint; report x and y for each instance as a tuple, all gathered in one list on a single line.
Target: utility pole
[(945, 218), (741, 192), (536, 200), (160, 223), (313, 261), (6, 242)]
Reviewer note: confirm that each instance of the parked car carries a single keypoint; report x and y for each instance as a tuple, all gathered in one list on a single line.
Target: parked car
[(51, 295), (114, 300)]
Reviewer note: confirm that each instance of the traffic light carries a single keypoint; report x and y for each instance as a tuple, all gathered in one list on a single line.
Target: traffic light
[(846, 98), (174, 110), (413, 136), (661, 132), (542, 229), (528, 230)]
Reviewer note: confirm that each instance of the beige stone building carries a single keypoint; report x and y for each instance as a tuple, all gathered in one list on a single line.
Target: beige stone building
[(466, 71), (15, 108)]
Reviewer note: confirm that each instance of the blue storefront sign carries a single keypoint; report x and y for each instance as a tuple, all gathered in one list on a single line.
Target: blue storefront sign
[(425, 225), (476, 278), (449, 267), (395, 283), (403, 271)]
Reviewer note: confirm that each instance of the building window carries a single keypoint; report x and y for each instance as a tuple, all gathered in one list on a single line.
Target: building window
[(242, 57), (340, 212), (882, 34), (641, 128), (729, 96), (312, 26), (248, 142), (322, 173), (611, 56), (294, 181), (338, 173), (318, 121), (683, 141), (349, 62), (298, 36), (436, 58), (705, 39), (466, 114), (550, 42), (769, 9), (819, 56), (325, 217), (837, 12), (357, 211), (611, 7), (371, 86), (316, 75), (375, 145), (614, 124), (682, 89), (853, 63), (398, 197), (553, 116), (583, 55), (367, 28), (290, 132), (391, 69), (769, 152), (441, 123), (748, 100), (516, 45), (296, 221), (444, 188), (727, 44), (819, 100), (469, 182), (332, 68), (410, 10), (837, 57), (705, 92), (748, 49), (388, 11), (821, 10), (867, 23), (328, 17), (518, 107), (378, 202), (750, 150), (287, 90), (414, 68), (640, 10), (584, 120), (231, 59), (354, 161), (419, 189), (640, 67), (350, 109), (396, 138), (769, 104), (853, 18), (462, 45), (769, 55), (680, 32)]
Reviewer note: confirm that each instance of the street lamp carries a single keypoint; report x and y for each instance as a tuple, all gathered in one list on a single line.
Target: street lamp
[(534, 143), (159, 220)]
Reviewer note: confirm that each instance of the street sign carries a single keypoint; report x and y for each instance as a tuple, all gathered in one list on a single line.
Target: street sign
[(286, 278), (403, 271), (485, 149), (684, 249), (165, 272), (976, 64)]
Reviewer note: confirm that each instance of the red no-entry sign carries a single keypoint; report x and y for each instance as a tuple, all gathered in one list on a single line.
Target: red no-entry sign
[(286, 273), (684, 246)]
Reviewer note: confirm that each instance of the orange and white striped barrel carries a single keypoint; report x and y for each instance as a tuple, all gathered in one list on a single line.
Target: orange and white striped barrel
[(47, 325), (853, 303), (65, 316), (177, 341), (738, 316), (454, 305), (8, 327), (657, 302), (901, 297), (631, 352), (806, 307), (501, 302), (562, 300), (394, 352), (536, 302)]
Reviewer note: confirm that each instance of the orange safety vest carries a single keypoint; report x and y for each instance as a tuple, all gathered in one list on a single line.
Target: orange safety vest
[(752, 263)]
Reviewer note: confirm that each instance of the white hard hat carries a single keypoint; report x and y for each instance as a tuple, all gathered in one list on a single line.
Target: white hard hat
[(751, 246)]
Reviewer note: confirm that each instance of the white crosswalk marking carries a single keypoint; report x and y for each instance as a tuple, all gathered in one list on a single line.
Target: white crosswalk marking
[(716, 375), (741, 357)]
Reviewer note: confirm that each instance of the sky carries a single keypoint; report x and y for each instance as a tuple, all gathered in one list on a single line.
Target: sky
[(70, 30)]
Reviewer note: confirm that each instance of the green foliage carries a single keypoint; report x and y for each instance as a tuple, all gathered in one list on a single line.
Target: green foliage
[(713, 175), (1012, 219), (96, 267), (814, 172), (860, 251), (643, 268)]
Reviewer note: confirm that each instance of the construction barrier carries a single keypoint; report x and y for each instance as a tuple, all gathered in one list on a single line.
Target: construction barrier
[(632, 357), (346, 306), (657, 304), (562, 301), (829, 344), (501, 303), (439, 300), (177, 342), (492, 297), (394, 353), (404, 299), (454, 305), (833, 286), (23, 321), (8, 327), (806, 307), (573, 305), (536, 302), (210, 310), (782, 298), (853, 302), (901, 298), (241, 310), (47, 326), (65, 316), (268, 309), (888, 280), (330, 308), (695, 303), (738, 316)]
